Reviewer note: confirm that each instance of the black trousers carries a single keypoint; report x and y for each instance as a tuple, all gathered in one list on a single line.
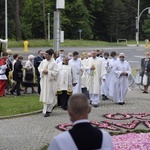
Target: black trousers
[(86, 92), (63, 99), (16, 87)]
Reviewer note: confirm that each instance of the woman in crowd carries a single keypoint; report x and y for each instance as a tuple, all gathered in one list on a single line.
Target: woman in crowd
[(29, 74), (15, 56), (17, 75), (145, 71)]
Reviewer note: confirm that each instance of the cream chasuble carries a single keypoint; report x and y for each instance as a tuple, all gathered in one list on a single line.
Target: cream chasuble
[(94, 77), (48, 81)]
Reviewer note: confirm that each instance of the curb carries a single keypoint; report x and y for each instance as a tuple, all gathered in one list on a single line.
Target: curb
[(20, 115)]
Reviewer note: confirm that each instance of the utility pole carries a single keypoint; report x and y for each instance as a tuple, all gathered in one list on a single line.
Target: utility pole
[(49, 27), (60, 4), (6, 24)]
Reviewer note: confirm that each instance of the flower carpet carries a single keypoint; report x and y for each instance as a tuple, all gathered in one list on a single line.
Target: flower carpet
[(132, 141), (127, 122)]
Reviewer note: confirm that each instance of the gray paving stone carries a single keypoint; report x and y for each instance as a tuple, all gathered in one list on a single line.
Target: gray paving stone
[(35, 131)]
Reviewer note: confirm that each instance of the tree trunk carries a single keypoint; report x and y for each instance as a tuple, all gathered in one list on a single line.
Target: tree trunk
[(44, 19), (17, 21)]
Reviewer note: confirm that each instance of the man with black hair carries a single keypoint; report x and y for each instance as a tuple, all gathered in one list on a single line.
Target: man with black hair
[(77, 70), (105, 78), (48, 73), (61, 56), (112, 78)]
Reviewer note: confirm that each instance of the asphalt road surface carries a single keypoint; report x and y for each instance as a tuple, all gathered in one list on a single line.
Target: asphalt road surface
[(133, 53)]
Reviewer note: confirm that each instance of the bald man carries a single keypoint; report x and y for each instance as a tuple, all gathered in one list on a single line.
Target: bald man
[(83, 136), (122, 70)]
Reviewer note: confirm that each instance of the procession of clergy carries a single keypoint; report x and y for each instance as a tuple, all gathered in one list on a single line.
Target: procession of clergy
[(96, 74)]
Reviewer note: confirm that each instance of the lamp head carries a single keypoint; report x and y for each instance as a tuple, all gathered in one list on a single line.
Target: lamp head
[(3, 41)]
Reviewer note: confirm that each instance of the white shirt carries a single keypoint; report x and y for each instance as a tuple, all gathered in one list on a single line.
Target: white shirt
[(2, 72), (64, 140)]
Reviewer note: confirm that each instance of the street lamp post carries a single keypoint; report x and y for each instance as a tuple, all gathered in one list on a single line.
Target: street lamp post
[(60, 4), (6, 24), (48, 26), (138, 21)]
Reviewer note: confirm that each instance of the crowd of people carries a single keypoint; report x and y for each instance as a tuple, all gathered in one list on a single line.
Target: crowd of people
[(97, 74), (14, 75)]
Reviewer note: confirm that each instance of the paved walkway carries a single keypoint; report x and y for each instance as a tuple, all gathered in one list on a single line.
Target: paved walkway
[(35, 131)]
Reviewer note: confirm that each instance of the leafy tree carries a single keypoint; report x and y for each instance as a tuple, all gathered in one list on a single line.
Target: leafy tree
[(76, 16), (146, 27)]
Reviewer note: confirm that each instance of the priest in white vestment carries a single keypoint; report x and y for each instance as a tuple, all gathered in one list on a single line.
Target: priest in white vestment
[(95, 70), (64, 83), (84, 74), (111, 77), (48, 73), (75, 64), (122, 70), (61, 56), (105, 79)]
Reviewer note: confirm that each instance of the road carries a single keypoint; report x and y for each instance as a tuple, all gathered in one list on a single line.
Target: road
[(133, 53)]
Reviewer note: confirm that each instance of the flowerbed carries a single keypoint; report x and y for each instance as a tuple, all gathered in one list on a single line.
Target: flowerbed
[(132, 141), (138, 118), (123, 141)]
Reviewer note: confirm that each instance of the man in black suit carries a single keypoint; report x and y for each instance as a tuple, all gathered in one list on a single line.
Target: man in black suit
[(37, 61), (83, 136)]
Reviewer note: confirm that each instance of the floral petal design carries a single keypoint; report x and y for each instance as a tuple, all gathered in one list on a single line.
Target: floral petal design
[(132, 141)]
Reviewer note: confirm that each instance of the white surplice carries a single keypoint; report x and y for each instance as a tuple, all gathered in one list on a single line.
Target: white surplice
[(64, 141), (59, 59), (112, 78), (84, 74), (48, 83), (64, 81), (105, 79), (94, 78), (76, 66), (122, 81)]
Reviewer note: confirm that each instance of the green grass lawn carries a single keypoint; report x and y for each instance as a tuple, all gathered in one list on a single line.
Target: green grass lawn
[(13, 105), (68, 43)]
